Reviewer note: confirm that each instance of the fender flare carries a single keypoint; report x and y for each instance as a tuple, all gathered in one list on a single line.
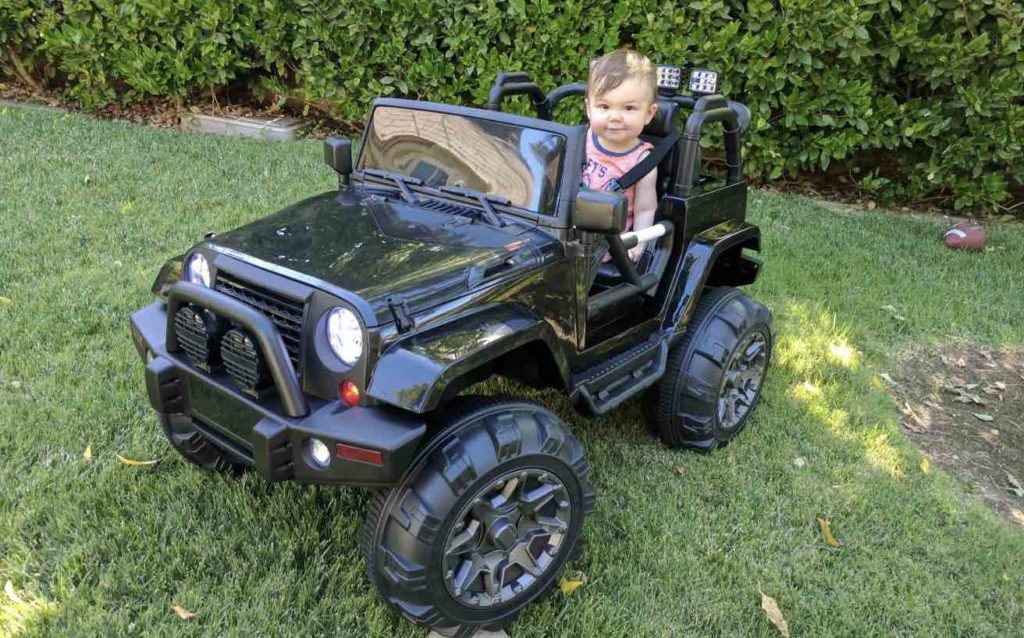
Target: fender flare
[(701, 254), (414, 373)]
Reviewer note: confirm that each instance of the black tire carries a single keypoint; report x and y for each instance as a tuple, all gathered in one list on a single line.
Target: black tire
[(689, 406), (487, 455), (194, 447)]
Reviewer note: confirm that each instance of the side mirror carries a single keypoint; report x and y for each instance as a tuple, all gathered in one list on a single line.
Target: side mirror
[(600, 212), (338, 155)]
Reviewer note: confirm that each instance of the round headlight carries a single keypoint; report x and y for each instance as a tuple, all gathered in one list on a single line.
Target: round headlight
[(345, 335), (198, 270)]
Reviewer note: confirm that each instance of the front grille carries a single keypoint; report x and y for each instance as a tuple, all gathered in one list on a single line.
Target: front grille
[(285, 312)]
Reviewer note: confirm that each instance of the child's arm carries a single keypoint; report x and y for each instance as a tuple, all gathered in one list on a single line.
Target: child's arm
[(644, 206)]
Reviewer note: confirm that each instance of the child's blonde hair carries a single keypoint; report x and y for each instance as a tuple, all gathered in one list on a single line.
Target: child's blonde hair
[(612, 69)]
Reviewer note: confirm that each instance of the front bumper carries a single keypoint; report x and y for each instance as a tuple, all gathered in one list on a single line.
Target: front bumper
[(269, 434)]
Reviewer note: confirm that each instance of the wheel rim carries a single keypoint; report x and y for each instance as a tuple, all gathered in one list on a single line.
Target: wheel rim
[(506, 539), (742, 381)]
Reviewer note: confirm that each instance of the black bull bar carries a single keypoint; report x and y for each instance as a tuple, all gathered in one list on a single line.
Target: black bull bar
[(269, 435)]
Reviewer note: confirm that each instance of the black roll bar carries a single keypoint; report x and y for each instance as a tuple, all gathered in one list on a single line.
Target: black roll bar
[(562, 92), (518, 83), (707, 109)]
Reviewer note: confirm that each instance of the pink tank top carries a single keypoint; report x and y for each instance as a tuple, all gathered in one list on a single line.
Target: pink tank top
[(604, 165)]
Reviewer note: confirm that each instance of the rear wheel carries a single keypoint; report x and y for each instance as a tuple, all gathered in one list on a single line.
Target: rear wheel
[(484, 519), (194, 447), (714, 375)]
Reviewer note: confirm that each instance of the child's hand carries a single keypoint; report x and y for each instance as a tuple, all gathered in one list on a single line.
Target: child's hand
[(635, 252)]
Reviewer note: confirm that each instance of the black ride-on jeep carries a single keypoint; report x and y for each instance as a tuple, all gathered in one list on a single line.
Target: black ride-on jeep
[(328, 342)]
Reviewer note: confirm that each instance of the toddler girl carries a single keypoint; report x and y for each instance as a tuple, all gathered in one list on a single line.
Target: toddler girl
[(620, 102)]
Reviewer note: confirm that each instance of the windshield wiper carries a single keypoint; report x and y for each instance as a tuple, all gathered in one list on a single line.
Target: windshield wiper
[(489, 214), (402, 181)]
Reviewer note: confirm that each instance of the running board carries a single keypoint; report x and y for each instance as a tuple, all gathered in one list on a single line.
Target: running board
[(606, 385)]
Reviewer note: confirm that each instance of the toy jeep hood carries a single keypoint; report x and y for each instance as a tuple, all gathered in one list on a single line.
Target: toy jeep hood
[(380, 247)]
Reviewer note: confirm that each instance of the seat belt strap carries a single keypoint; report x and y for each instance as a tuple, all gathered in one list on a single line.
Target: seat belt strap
[(644, 166)]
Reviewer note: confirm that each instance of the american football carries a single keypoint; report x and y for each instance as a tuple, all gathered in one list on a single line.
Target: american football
[(965, 236)]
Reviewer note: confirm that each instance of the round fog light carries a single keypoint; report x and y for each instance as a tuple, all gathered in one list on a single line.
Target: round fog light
[(318, 453)]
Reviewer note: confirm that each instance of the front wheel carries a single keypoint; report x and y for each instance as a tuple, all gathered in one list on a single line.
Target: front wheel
[(484, 519), (714, 375)]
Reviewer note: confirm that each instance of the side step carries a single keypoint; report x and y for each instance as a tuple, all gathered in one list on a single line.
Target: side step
[(606, 385)]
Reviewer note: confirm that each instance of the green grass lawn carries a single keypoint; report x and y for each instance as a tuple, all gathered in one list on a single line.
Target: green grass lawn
[(90, 209)]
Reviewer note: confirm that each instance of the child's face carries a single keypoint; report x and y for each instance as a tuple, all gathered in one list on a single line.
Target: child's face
[(619, 115)]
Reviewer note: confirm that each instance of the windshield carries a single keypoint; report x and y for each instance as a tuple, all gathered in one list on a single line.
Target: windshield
[(514, 162)]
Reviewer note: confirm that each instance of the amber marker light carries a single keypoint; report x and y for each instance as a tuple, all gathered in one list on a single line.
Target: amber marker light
[(348, 391)]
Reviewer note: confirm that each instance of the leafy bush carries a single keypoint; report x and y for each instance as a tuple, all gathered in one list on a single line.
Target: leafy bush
[(930, 92)]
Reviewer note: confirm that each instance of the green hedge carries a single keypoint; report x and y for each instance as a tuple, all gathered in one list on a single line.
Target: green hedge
[(932, 91)]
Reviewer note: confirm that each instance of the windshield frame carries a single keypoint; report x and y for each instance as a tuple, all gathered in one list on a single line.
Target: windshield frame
[(565, 191)]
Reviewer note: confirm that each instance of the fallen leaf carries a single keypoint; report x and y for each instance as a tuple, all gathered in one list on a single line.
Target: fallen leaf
[(16, 384), (932, 404), (132, 462), (799, 462), (924, 465), (960, 363), (13, 595), (4, 301), (679, 469), (944, 359), (970, 386), (87, 455), (570, 584), (987, 418), (183, 613), (771, 609), (1000, 385), (827, 533), (885, 377), (1017, 516), (1015, 485), (729, 459)]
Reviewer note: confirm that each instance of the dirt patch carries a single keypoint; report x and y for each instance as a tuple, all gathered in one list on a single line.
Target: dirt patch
[(964, 408)]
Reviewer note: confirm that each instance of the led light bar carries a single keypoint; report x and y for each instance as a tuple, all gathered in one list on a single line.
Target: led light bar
[(703, 82), (670, 78)]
